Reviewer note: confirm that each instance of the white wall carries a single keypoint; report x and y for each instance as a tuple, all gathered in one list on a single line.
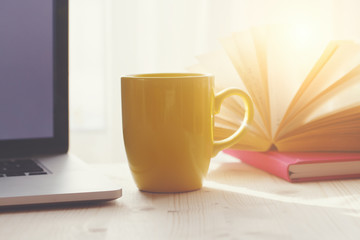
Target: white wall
[(110, 38)]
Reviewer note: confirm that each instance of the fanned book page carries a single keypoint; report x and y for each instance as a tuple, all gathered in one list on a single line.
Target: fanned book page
[(306, 91)]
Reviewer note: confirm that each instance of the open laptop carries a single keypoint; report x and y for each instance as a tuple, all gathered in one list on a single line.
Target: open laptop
[(35, 167)]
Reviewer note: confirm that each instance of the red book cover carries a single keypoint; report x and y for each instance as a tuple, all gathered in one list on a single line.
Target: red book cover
[(315, 165)]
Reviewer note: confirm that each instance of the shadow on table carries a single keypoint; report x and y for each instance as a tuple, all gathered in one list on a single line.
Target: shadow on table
[(58, 206)]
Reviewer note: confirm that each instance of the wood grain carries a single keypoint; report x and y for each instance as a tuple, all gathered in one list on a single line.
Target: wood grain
[(236, 202)]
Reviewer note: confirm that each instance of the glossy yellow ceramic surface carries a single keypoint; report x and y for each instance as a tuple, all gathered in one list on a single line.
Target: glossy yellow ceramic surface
[(168, 128)]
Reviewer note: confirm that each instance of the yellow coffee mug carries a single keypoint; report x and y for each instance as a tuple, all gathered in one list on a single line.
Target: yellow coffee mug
[(168, 122)]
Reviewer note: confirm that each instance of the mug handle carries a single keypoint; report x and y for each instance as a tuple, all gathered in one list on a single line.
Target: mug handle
[(249, 115)]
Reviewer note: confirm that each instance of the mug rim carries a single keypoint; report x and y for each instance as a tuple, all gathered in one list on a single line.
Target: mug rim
[(167, 75)]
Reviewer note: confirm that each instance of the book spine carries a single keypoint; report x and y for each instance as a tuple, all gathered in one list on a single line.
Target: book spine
[(262, 161), (326, 178)]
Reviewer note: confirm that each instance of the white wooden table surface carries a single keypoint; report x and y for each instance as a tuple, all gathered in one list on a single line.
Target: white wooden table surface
[(237, 202)]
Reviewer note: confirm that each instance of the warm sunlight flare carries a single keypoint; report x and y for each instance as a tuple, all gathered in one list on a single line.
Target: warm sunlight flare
[(329, 202), (303, 34)]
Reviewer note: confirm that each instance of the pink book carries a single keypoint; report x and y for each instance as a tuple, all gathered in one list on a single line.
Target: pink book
[(303, 166)]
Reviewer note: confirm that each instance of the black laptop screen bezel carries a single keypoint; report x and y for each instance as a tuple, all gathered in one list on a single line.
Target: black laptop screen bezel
[(59, 143)]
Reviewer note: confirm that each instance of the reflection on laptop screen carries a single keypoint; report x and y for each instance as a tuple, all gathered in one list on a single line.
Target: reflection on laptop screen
[(26, 75)]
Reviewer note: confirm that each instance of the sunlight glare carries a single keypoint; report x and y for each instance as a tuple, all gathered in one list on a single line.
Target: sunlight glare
[(303, 34), (331, 202)]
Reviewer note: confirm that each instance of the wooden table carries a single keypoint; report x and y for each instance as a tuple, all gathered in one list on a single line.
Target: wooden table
[(236, 202)]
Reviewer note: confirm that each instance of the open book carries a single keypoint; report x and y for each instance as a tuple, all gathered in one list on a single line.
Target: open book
[(306, 92)]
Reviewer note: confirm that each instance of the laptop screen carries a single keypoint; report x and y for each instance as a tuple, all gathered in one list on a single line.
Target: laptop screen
[(26, 74), (33, 77)]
